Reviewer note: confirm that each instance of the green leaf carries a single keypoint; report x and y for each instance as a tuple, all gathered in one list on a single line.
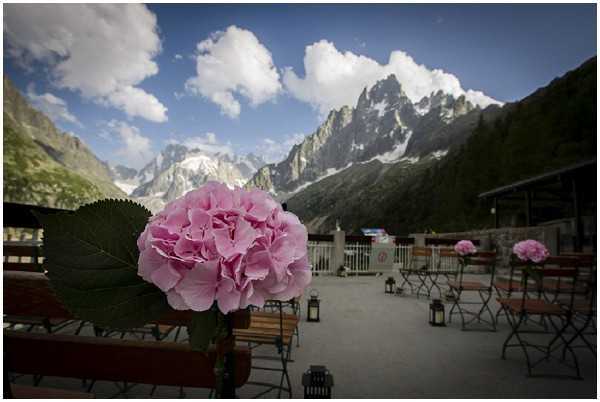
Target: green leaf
[(202, 329), (91, 256)]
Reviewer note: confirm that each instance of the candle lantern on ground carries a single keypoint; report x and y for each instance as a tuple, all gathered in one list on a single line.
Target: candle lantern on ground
[(390, 283), (313, 313), (317, 383), (437, 315)]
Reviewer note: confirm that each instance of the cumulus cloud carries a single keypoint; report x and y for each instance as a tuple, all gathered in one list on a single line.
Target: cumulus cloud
[(103, 51), (230, 64), (52, 106), (207, 142), (135, 149), (273, 151), (334, 79)]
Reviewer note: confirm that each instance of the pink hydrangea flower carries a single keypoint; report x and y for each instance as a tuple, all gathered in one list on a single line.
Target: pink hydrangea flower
[(236, 247), (465, 247), (531, 250)]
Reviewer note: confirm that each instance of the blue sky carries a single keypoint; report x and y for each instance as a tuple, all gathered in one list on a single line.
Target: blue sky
[(255, 86)]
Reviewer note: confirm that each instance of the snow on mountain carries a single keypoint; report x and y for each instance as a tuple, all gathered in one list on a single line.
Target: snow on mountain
[(179, 169)]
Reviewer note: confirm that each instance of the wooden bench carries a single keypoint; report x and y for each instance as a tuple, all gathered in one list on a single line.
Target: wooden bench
[(30, 294)]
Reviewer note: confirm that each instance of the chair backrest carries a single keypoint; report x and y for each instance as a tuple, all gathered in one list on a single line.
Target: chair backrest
[(145, 362), (18, 250), (585, 259), (480, 258), (30, 294), (420, 258), (421, 252), (483, 258), (448, 252)]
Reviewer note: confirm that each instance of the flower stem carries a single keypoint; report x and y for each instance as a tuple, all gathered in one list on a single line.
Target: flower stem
[(225, 386)]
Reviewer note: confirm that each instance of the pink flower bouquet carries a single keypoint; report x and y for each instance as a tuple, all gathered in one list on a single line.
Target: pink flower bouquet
[(534, 252), (465, 248), (233, 247), (531, 250)]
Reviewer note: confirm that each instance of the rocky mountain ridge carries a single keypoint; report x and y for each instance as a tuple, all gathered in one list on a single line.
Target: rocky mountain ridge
[(384, 125)]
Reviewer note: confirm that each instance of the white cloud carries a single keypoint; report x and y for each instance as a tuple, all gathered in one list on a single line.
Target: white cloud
[(177, 57), (334, 79), (207, 142), (135, 149), (52, 106), (273, 151), (100, 50), (231, 64), (137, 102)]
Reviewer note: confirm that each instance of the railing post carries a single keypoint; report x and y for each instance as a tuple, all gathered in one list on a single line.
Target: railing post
[(339, 243)]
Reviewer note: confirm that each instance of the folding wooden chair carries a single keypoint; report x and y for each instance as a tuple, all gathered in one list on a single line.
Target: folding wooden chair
[(419, 266), (555, 310), (484, 290), (275, 329), (507, 286), (446, 266), (584, 315)]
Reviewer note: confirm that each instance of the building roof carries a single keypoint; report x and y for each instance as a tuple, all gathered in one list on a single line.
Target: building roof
[(540, 179)]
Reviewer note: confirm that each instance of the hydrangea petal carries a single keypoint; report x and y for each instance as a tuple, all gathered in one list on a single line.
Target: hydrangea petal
[(199, 286)]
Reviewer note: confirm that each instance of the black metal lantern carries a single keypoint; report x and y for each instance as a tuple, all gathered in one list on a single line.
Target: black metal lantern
[(390, 283), (437, 314), (317, 383), (314, 307)]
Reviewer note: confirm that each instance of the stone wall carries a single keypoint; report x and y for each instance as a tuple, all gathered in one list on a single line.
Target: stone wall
[(503, 239)]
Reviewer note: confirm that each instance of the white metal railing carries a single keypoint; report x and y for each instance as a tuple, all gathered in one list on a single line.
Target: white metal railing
[(357, 257), (446, 264), (402, 255), (320, 255)]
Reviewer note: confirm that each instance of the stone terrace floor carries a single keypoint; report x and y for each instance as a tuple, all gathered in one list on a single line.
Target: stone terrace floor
[(381, 346)]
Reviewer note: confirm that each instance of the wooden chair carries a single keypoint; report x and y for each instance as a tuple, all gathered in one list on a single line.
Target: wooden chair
[(507, 286), (293, 306), (446, 266), (419, 266), (19, 250), (484, 290), (24, 305), (274, 329), (18, 391), (584, 306), (30, 294), (142, 362), (549, 309)]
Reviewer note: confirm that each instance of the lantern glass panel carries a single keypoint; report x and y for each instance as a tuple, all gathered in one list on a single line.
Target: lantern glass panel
[(313, 309)]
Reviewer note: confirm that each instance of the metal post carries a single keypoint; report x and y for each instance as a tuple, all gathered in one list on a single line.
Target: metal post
[(229, 380), (528, 206), (577, 212), (496, 215)]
